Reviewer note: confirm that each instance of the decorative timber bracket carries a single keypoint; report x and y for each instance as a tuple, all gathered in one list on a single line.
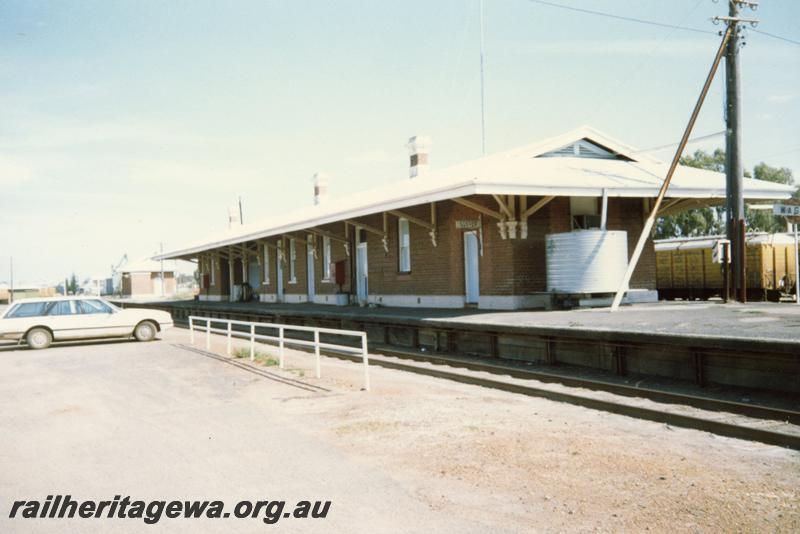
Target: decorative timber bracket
[(508, 223)]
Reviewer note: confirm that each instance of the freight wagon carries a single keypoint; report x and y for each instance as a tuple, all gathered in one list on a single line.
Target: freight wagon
[(688, 268)]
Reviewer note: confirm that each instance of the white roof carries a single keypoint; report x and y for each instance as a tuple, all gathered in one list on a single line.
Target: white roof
[(147, 265), (513, 172)]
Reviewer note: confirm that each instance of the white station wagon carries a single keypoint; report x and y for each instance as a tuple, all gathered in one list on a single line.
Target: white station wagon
[(39, 322)]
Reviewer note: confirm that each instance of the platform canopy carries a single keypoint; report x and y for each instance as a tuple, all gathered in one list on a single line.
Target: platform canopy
[(583, 162)]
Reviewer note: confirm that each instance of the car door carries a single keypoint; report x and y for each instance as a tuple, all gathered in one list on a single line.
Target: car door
[(99, 320), (63, 319), (22, 316)]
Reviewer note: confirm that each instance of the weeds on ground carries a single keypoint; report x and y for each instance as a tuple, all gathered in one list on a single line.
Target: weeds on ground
[(261, 357), (264, 359)]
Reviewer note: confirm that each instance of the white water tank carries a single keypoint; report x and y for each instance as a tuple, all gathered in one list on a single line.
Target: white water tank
[(586, 261)]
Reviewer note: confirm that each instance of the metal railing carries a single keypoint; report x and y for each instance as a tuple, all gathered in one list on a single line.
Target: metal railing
[(281, 339)]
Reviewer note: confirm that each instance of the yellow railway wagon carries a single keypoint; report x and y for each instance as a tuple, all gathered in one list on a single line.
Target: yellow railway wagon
[(685, 267)]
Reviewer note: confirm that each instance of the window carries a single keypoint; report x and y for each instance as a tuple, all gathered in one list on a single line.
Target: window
[(62, 307), (404, 245), (90, 307), (266, 265), (213, 272), (585, 214), (28, 309), (292, 261), (326, 258)]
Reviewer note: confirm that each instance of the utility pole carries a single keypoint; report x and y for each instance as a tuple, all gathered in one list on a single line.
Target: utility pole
[(162, 269), (735, 225), (11, 280), (241, 216), (483, 97)]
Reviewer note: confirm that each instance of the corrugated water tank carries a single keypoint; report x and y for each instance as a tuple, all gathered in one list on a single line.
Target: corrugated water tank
[(586, 261)]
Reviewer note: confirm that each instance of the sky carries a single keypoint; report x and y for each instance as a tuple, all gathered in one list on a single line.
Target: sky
[(127, 124)]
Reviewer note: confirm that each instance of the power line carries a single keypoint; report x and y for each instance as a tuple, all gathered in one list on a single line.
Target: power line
[(620, 17), (689, 142), (644, 61), (775, 36)]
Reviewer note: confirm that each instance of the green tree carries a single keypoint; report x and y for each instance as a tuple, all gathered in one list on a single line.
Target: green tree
[(711, 221), (764, 220), (72, 286), (698, 221)]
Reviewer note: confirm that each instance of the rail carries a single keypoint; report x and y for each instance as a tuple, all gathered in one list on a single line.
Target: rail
[(251, 332)]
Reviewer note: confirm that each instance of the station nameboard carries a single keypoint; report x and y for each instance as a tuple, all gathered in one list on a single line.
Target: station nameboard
[(786, 210), (468, 224)]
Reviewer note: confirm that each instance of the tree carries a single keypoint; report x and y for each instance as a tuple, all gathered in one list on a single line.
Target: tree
[(764, 220), (72, 286), (711, 221), (698, 221)]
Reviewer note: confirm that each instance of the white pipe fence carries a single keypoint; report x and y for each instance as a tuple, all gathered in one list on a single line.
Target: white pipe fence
[(204, 324)]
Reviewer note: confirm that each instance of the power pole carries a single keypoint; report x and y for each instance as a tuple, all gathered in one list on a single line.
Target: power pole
[(483, 93), (11, 280), (735, 225), (162, 269)]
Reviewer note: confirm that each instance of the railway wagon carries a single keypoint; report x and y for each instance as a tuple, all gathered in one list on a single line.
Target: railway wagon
[(686, 267)]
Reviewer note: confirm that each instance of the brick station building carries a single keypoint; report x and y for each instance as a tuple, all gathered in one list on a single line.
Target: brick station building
[(474, 234)]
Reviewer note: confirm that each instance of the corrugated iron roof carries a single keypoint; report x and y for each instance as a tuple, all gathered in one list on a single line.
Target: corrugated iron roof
[(513, 172)]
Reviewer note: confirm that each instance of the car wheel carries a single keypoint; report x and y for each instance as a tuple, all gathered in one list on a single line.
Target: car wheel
[(39, 338), (145, 331)]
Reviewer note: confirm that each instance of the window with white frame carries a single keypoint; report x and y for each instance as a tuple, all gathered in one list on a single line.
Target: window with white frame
[(266, 264), (292, 261), (404, 245), (326, 258), (213, 272)]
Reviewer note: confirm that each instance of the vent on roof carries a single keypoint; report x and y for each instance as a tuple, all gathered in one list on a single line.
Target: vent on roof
[(583, 148)]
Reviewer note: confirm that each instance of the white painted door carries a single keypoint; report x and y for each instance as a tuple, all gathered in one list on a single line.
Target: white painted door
[(471, 269), (158, 285), (253, 273), (310, 274), (279, 276), (362, 287)]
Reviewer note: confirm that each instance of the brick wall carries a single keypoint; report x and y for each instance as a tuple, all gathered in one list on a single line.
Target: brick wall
[(507, 266), (629, 214), (134, 284)]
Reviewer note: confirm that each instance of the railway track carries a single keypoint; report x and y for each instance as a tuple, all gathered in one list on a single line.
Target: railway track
[(722, 417), (763, 424)]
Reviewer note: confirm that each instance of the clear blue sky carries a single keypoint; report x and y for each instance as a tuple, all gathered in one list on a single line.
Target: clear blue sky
[(127, 123)]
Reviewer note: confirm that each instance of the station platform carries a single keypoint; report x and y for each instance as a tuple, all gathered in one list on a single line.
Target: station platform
[(709, 343)]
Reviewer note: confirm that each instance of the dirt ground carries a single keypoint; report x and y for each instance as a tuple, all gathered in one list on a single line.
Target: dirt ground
[(535, 465)]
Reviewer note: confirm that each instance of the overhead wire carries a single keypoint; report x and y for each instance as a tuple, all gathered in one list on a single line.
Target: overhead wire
[(775, 36), (622, 17)]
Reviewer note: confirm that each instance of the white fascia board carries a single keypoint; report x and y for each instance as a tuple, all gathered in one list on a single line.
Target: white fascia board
[(634, 192), (467, 188), (436, 195)]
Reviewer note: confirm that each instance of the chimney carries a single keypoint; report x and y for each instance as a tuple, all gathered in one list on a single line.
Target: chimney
[(419, 148), (320, 188)]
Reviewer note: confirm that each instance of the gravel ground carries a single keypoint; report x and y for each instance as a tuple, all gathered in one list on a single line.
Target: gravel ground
[(414, 454), (536, 465)]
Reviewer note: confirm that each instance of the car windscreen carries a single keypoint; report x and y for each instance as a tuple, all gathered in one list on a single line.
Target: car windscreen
[(27, 309)]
